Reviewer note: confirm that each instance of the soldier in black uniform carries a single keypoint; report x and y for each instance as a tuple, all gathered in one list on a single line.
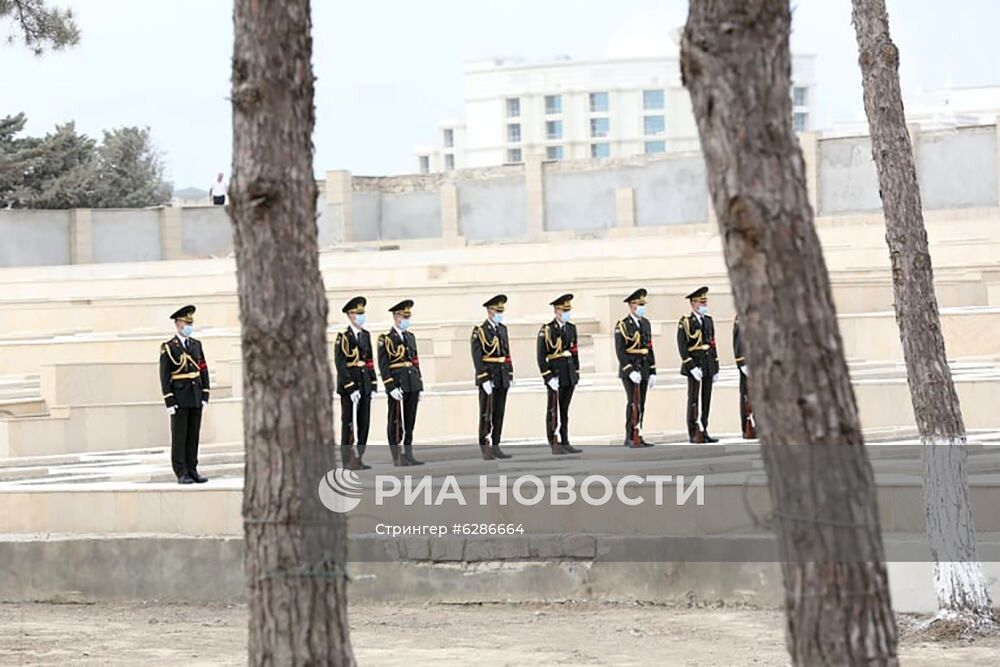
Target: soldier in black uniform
[(399, 366), (184, 381), (356, 383), (559, 363), (699, 362), (747, 423), (636, 364), (494, 375)]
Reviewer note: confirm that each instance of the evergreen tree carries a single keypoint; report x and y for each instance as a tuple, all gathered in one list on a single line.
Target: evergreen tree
[(40, 26)]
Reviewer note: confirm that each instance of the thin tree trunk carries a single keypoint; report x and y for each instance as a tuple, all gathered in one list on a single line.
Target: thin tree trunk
[(295, 551), (736, 64), (961, 587)]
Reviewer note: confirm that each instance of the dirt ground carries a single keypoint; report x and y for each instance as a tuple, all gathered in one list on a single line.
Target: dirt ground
[(157, 634)]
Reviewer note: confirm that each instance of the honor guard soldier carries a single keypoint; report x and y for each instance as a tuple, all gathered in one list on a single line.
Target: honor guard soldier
[(356, 383), (184, 381), (494, 375), (636, 364), (399, 366), (559, 363), (747, 423), (699, 362)]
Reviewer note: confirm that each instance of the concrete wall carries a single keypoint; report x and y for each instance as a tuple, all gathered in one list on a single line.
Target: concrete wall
[(492, 208), (958, 168), (34, 238), (123, 235), (670, 192), (206, 230), (847, 179)]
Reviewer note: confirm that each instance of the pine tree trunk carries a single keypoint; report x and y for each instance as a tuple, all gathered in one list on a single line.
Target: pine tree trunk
[(960, 583), (736, 64), (295, 550)]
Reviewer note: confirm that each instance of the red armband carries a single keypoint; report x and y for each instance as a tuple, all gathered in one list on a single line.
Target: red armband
[(416, 362), (202, 366)]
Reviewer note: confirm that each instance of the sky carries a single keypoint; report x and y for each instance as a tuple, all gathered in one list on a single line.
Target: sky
[(389, 71)]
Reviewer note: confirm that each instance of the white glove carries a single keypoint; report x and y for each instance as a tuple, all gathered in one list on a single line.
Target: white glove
[(204, 404), (715, 378), (171, 410), (553, 384), (744, 370), (487, 387), (635, 376), (356, 395), (397, 394), (651, 381), (696, 374)]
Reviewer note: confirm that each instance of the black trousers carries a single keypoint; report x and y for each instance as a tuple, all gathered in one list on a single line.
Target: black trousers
[(699, 401), (491, 411), (219, 200), (557, 413), (347, 427), (185, 429), (402, 418), (635, 405), (744, 402)]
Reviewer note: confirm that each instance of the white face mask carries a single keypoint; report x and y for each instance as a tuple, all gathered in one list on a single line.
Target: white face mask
[(702, 310), (564, 314), (187, 330)]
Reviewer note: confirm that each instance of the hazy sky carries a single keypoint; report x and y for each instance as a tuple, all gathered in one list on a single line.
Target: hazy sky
[(389, 71)]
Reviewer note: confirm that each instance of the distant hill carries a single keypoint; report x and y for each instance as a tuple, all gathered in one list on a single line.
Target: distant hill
[(190, 193)]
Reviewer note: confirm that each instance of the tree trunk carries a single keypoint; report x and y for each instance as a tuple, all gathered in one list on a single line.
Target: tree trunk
[(961, 586), (295, 550), (736, 64)]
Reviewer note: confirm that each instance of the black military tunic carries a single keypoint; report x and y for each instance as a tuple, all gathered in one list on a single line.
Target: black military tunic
[(696, 345), (558, 357), (490, 348), (747, 423), (355, 373), (185, 384), (399, 366), (634, 349)]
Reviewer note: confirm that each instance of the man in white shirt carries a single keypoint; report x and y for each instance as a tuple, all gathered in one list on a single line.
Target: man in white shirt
[(217, 192)]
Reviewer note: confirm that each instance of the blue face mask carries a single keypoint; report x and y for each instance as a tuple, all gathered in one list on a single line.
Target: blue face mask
[(187, 330), (497, 318), (359, 319), (404, 324), (702, 310), (564, 314), (640, 311)]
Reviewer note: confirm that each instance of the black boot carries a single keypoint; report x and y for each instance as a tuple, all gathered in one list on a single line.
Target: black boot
[(570, 449), (500, 454), (557, 449), (408, 455), (397, 460), (709, 438), (486, 452)]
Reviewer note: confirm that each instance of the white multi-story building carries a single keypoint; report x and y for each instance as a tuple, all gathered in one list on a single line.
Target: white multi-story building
[(566, 109)]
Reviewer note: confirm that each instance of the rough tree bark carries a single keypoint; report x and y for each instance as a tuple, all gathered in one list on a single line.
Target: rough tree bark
[(295, 551), (961, 587), (735, 63)]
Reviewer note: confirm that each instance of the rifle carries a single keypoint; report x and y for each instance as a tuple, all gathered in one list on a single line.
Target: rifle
[(636, 436)]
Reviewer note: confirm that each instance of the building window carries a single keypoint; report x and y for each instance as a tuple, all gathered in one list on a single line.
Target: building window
[(553, 129), (600, 150), (652, 125), (449, 138), (554, 152), (598, 102), (799, 121), (425, 164), (599, 127), (652, 99), (449, 162), (800, 96), (656, 147), (513, 107), (553, 104), (513, 155), (514, 133)]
